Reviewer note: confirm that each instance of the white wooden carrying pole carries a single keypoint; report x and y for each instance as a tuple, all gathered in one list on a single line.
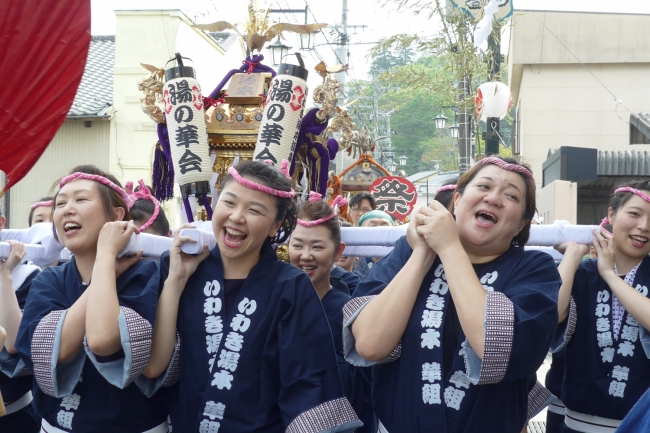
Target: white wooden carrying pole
[(360, 242)]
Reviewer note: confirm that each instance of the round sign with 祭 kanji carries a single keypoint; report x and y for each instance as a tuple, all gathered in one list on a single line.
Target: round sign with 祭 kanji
[(394, 195)]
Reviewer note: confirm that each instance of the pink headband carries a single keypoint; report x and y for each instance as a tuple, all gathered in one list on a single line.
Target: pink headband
[(284, 167), (506, 166), (314, 196), (445, 188), (100, 179), (633, 191), (263, 188), (602, 226), (143, 193), (41, 203)]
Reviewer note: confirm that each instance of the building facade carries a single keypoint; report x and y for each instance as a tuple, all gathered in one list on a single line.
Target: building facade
[(575, 79)]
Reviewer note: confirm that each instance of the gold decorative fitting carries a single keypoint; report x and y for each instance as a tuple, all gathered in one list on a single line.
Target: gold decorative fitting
[(241, 142), (257, 31), (202, 215), (344, 124), (152, 88), (283, 253), (235, 117), (326, 94)]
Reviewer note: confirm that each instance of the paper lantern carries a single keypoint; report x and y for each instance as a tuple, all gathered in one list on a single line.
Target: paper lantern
[(492, 100), (282, 117), (188, 136)]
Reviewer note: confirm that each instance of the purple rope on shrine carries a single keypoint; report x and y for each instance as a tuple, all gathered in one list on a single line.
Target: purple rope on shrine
[(317, 154), (257, 67), (188, 210), (203, 199), (163, 167)]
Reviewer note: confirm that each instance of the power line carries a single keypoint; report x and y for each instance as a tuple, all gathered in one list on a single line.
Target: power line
[(353, 79)]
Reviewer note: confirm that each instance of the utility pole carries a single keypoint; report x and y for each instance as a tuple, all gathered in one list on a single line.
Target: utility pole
[(342, 50), (494, 67), (464, 120)]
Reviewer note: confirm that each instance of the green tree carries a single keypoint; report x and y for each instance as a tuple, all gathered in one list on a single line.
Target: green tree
[(412, 109), (449, 55)]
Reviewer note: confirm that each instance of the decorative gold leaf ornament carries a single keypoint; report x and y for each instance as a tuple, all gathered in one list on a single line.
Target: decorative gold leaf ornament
[(256, 31), (152, 88)]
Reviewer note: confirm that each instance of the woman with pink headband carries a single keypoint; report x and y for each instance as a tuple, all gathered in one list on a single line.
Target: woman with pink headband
[(41, 211), (243, 333), (314, 247), (604, 314), (146, 212), (87, 324), (457, 319)]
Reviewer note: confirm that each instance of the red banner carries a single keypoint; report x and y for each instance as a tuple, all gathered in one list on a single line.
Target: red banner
[(43, 51)]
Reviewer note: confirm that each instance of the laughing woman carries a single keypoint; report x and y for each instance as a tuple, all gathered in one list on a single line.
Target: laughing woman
[(315, 246), (458, 317), (256, 352), (86, 329), (605, 313)]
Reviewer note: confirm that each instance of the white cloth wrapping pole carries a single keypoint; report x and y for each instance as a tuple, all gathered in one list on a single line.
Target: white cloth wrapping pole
[(360, 242), (153, 246), (371, 251), (33, 252), (202, 238), (365, 236), (556, 234), (40, 246)]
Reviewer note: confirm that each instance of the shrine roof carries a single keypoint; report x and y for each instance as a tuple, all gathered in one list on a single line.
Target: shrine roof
[(362, 158), (95, 93)]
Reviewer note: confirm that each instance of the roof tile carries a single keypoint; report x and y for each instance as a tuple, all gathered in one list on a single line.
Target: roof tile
[(95, 93)]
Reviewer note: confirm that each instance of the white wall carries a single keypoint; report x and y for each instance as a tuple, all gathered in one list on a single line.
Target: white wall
[(558, 201), (561, 102), (74, 144), (563, 105)]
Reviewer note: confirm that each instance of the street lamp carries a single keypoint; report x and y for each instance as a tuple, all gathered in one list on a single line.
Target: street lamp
[(392, 166), (402, 159), (440, 121), (278, 51), (307, 41), (453, 130)]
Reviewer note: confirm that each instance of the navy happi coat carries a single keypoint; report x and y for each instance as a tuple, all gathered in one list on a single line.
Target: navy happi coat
[(356, 380), (607, 356), (268, 365), (433, 381), (91, 393)]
